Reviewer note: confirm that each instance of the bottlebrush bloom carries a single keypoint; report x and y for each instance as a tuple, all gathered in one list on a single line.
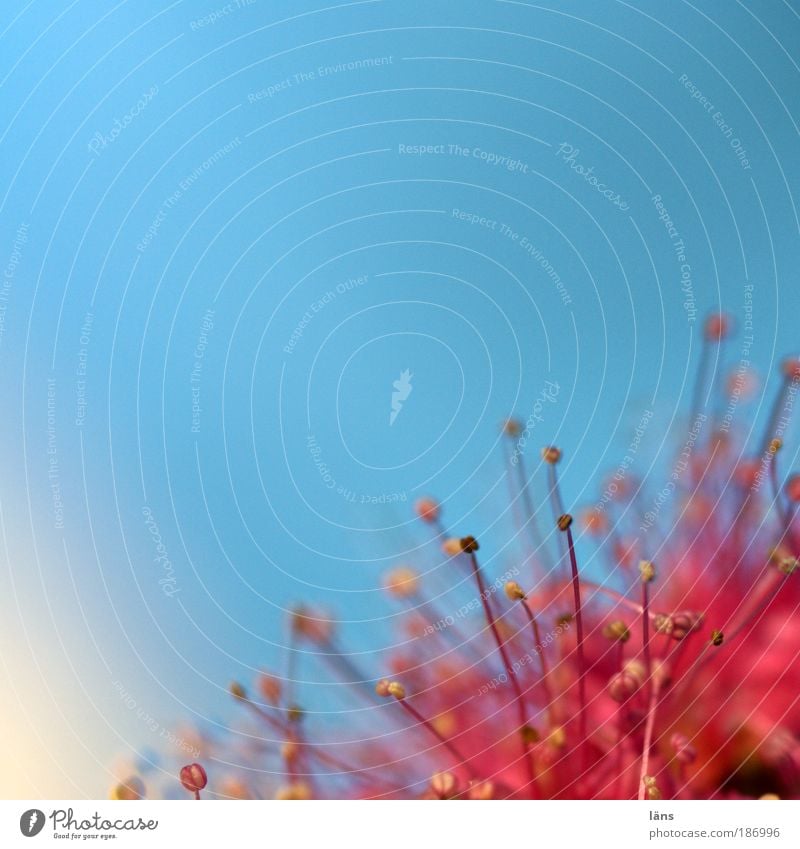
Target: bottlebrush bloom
[(674, 679)]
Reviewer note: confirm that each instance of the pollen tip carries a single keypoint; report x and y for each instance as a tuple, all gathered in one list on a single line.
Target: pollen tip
[(237, 690), (402, 582), (294, 713), (514, 591), (444, 785), (311, 624), (650, 788), (481, 790), (791, 368), (564, 522), (647, 570), (717, 327), (385, 688), (289, 751), (530, 735), (551, 454), (428, 509), (128, 790), (297, 791), (717, 637), (469, 544), (792, 488), (270, 688), (617, 630)]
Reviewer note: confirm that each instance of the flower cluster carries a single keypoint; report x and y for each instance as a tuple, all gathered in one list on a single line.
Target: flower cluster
[(670, 672)]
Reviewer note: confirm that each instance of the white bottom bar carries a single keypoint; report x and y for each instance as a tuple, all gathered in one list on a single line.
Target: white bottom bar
[(392, 825)]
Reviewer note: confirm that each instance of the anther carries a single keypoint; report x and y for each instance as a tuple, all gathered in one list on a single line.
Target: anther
[(444, 785), (647, 570), (514, 591), (385, 688), (617, 630), (551, 454), (469, 545)]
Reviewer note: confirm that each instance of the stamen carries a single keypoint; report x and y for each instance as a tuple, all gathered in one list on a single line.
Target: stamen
[(564, 524), (646, 783), (385, 688), (685, 754), (470, 545), (648, 573), (515, 593), (649, 789)]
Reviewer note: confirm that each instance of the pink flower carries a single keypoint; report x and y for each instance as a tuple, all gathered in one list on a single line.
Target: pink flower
[(671, 674)]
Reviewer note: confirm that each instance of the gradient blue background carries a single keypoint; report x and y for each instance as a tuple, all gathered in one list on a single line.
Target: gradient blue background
[(315, 192)]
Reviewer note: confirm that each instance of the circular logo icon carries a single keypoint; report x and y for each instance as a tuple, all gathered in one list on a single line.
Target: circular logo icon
[(31, 822)]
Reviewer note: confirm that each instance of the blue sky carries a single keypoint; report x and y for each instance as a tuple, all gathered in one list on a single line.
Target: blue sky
[(242, 222)]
